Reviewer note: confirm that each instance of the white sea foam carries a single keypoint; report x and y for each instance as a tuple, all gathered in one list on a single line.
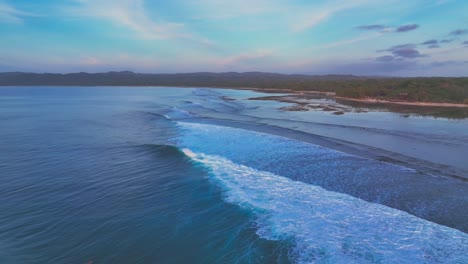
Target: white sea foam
[(325, 226), (177, 114), (329, 227)]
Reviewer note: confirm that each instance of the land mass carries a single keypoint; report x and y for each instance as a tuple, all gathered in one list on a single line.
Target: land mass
[(443, 91)]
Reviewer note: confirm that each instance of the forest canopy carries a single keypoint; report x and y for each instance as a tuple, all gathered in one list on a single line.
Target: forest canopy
[(433, 89)]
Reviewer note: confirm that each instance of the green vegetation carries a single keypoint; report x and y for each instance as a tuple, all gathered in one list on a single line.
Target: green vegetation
[(441, 90)]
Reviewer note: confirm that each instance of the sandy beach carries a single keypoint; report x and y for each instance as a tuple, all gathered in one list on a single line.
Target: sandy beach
[(377, 101)]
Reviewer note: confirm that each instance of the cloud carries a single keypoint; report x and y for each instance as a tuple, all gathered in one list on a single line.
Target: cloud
[(10, 14), (388, 29), (404, 51), (296, 15), (459, 32), (351, 41), (434, 43), (395, 67), (218, 10), (446, 63), (369, 68), (430, 42), (407, 53), (371, 27), (306, 17), (465, 42), (402, 46), (132, 15), (313, 20), (246, 58), (446, 40), (406, 28), (386, 58)]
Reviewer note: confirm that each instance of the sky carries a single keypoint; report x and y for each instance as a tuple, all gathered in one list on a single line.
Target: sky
[(361, 37)]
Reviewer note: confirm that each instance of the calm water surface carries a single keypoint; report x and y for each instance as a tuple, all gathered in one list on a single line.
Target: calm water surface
[(171, 175)]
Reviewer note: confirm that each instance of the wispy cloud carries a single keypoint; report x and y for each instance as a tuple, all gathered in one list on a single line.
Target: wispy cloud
[(312, 20), (250, 58), (297, 16), (371, 27), (401, 46), (388, 29), (216, 10), (305, 19), (10, 14), (405, 51), (132, 15), (459, 32), (406, 28), (431, 42), (385, 58), (352, 40)]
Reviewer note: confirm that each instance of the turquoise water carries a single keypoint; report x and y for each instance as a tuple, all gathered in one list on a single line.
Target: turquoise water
[(144, 175)]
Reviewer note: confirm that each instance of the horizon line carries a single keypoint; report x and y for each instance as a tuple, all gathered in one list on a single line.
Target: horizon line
[(234, 72)]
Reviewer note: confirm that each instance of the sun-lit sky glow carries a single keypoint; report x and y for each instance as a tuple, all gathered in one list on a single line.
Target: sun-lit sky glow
[(363, 37)]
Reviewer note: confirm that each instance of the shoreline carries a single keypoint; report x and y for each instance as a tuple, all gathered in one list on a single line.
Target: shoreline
[(423, 104), (363, 100), (423, 170), (279, 91), (358, 149)]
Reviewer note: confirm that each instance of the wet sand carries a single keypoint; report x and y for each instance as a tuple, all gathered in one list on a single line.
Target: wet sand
[(423, 104)]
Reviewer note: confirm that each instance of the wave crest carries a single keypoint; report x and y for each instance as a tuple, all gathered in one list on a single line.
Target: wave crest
[(332, 227)]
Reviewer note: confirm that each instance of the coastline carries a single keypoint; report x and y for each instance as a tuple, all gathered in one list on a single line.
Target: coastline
[(352, 148), (424, 104), (281, 91), (361, 100)]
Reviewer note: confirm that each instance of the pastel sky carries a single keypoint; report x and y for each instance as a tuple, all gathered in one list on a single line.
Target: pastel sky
[(363, 37)]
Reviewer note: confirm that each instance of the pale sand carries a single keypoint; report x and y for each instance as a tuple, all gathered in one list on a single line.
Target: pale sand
[(377, 101)]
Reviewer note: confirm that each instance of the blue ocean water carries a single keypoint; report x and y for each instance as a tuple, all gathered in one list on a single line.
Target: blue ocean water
[(172, 175)]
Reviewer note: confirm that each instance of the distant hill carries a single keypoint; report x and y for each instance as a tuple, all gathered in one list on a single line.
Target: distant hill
[(437, 89), (228, 79)]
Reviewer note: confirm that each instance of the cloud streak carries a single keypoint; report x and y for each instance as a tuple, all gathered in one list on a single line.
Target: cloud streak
[(246, 59), (459, 32), (406, 28), (296, 16), (404, 51), (387, 29), (10, 14), (132, 15), (431, 42), (407, 53), (371, 27), (385, 58), (307, 17)]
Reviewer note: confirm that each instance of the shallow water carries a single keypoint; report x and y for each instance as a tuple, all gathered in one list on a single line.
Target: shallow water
[(172, 175)]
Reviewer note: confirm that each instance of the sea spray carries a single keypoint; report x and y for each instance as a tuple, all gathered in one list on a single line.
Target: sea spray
[(329, 227)]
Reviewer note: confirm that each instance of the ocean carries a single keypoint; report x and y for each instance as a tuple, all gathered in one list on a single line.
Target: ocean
[(202, 175)]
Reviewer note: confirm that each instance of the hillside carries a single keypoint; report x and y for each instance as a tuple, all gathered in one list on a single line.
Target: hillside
[(437, 89)]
